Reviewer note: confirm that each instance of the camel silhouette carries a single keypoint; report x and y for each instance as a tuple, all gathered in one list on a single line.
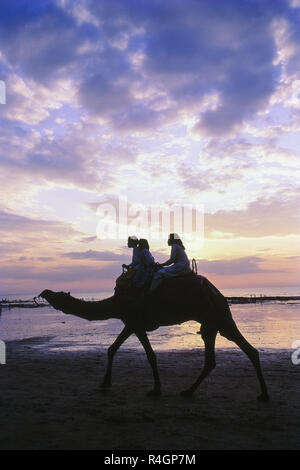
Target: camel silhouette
[(175, 301)]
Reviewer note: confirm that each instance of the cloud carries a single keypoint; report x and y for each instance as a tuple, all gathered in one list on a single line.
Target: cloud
[(28, 276), (33, 238), (110, 97), (60, 274), (203, 47), (274, 216), (232, 173), (31, 103), (206, 179), (55, 31), (227, 49), (79, 157), (89, 239), (26, 272), (245, 265), (18, 224), (138, 65), (97, 256)]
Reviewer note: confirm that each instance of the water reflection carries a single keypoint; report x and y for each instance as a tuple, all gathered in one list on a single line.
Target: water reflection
[(270, 325)]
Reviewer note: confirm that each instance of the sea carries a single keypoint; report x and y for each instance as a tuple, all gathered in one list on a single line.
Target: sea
[(266, 325)]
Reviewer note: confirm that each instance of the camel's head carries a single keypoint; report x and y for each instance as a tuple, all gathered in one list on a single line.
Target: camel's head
[(48, 294), (59, 300)]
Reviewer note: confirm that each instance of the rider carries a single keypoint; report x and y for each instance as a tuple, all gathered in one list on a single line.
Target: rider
[(177, 264), (146, 264), (133, 242)]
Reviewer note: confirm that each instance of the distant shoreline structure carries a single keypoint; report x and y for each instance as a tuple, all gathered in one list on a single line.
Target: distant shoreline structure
[(261, 298), (19, 303)]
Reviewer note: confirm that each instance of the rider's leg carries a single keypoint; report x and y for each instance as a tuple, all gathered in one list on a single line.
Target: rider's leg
[(157, 278)]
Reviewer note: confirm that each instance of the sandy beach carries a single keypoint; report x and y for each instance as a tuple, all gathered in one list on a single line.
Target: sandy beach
[(50, 400)]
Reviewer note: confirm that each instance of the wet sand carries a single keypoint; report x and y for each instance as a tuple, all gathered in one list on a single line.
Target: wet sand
[(50, 400)]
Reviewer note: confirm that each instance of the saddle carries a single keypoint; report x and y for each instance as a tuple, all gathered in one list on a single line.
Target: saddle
[(126, 289)]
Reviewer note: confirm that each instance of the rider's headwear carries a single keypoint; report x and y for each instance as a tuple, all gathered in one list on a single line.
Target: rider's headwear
[(133, 237), (174, 236)]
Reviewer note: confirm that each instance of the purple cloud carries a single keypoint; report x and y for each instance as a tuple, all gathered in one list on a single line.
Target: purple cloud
[(187, 50), (277, 215), (98, 256), (245, 265), (14, 223)]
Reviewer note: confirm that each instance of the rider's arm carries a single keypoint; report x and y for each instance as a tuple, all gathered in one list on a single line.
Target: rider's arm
[(171, 260), (135, 258)]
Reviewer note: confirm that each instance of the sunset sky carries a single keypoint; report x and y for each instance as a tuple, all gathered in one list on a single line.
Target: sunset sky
[(159, 102)]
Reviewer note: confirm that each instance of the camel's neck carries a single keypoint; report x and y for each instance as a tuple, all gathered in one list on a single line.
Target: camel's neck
[(105, 309), (89, 310), (94, 310)]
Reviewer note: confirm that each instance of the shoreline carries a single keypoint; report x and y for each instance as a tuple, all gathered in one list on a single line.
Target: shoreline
[(50, 400), (18, 303)]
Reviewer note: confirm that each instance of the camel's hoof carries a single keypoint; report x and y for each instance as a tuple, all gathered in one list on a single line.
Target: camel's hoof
[(264, 397), (154, 393), (187, 393)]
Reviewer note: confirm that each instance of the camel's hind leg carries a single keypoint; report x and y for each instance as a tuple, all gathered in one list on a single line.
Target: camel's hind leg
[(209, 338), (253, 355)]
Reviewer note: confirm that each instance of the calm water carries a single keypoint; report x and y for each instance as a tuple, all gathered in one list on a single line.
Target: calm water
[(266, 325)]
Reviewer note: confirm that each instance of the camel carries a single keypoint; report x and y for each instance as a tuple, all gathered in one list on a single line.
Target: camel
[(175, 301)]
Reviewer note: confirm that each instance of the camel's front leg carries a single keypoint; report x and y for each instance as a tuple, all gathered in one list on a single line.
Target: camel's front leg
[(142, 336), (125, 333)]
